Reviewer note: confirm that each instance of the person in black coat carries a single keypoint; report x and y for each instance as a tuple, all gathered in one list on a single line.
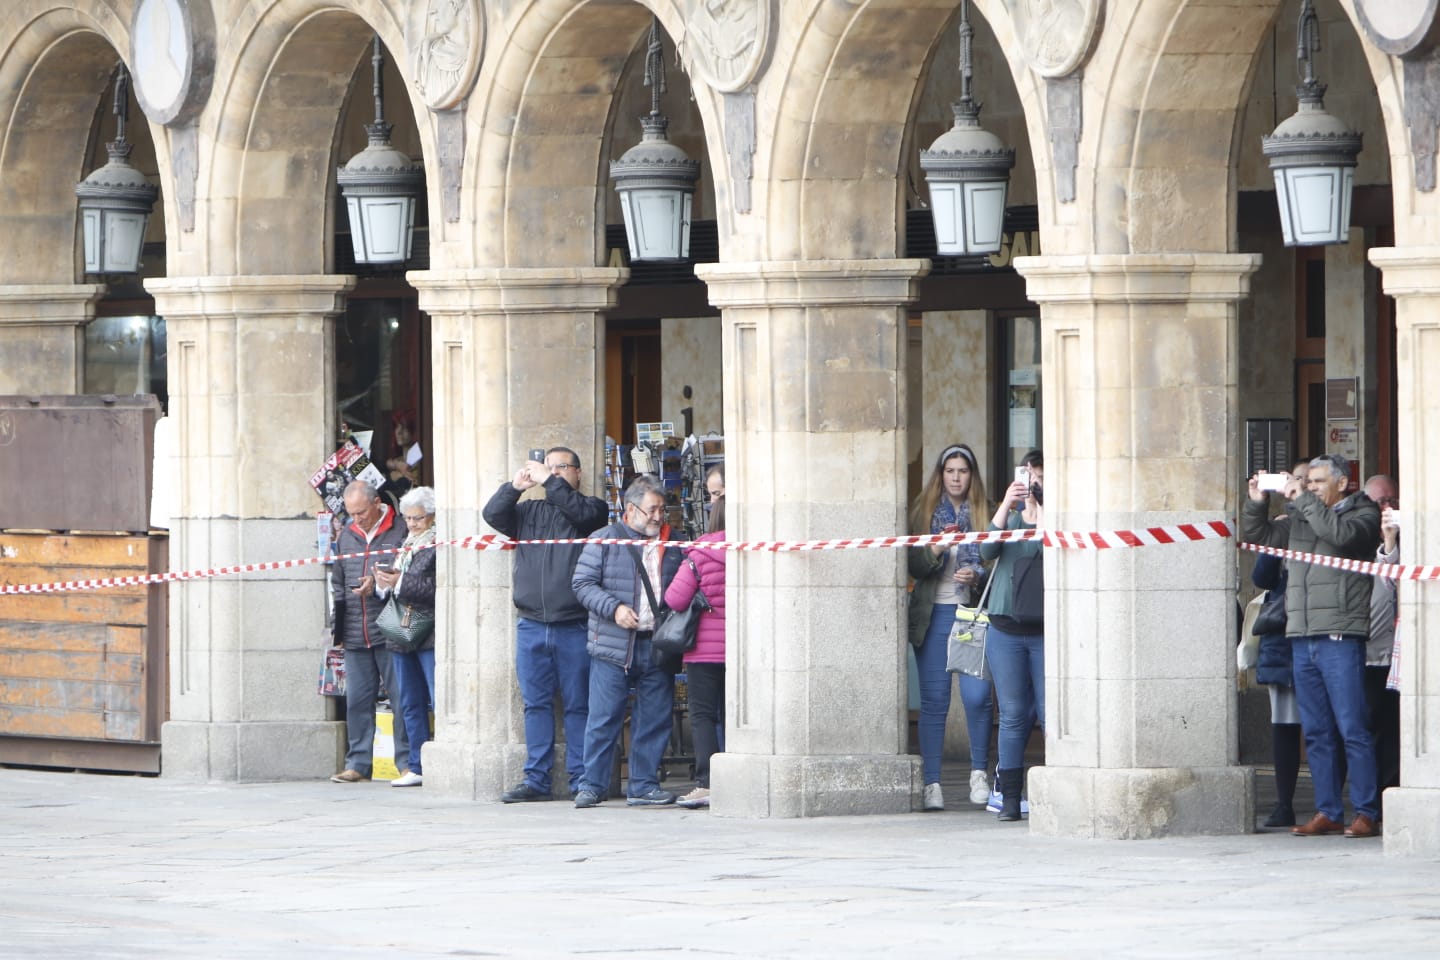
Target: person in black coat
[(412, 577), (1274, 669)]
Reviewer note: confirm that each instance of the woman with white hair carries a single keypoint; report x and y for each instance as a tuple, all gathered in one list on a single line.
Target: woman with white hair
[(412, 577)]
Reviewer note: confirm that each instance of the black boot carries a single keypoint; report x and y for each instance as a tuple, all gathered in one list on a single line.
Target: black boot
[(1011, 783)]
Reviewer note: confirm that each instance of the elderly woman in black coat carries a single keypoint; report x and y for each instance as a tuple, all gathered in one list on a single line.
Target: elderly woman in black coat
[(413, 579)]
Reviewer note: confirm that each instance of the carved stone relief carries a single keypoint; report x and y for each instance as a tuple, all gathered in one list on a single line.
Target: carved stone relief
[(1410, 29), (1055, 35), (725, 41), (445, 39)]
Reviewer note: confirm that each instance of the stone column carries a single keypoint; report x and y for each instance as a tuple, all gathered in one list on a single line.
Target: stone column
[(1412, 276), (815, 445), (517, 360), (42, 336), (251, 369), (1140, 366)]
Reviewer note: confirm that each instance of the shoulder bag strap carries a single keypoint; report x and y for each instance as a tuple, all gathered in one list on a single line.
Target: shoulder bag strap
[(989, 582), (644, 579)]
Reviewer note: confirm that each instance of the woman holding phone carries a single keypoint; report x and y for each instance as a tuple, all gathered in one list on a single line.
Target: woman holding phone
[(412, 576), (1015, 645), (944, 578)]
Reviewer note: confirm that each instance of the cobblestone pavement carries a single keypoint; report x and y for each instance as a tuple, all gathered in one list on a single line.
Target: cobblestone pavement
[(121, 867)]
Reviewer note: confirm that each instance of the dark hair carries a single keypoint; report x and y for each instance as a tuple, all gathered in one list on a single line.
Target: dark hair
[(575, 457), (716, 523), (1033, 459)]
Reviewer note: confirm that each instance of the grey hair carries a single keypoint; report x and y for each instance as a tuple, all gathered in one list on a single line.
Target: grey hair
[(1338, 466), (356, 486), (639, 487), (422, 497)]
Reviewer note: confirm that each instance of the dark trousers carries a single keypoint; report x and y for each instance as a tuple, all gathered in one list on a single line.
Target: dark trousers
[(1384, 708), (707, 713)]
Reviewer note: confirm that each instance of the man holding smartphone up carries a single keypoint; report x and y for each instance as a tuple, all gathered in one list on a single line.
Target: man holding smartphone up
[(550, 655)]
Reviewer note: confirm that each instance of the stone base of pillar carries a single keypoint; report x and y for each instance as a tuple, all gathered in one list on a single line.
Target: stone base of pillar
[(471, 771), (754, 786), (1411, 828), (1141, 804), (253, 751)]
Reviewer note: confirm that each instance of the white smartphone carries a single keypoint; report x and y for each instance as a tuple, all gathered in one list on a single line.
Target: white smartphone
[(1022, 475), (1393, 516), (1272, 481)]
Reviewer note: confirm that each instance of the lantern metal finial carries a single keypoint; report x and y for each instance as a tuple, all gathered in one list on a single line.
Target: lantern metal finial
[(1312, 154), (656, 179), (116, 200), (968, 170), (380, 185)]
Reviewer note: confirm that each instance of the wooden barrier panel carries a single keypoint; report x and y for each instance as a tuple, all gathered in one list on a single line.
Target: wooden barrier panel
[(83, 665)]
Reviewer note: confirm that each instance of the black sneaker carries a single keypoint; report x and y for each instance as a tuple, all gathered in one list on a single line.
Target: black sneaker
[(524, 793), (1281, 817), (655, 798), (586, 798)]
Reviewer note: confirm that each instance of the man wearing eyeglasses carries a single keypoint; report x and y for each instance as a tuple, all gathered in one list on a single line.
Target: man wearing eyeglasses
[(550, 655), (610, 582), (1327, 614)]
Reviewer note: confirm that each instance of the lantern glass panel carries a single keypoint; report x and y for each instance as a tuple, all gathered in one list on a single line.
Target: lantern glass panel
[(1314, 204), (984, 215), (380, 227), (657, 223)]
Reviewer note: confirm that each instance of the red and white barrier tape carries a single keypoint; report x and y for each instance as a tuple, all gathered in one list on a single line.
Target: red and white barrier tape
[(1391, 571), (1150, 536)]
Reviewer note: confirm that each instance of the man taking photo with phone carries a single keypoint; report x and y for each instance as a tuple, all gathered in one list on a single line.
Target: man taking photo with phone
[(550, 655), (1327, 620)]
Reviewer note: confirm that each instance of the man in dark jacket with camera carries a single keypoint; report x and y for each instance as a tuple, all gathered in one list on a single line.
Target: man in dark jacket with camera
[(550, 652), (608, 582), (373, 528), (1327, 618)]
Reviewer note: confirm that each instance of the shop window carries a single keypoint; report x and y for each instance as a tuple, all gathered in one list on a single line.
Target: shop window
[(382, 377), (125, 355)]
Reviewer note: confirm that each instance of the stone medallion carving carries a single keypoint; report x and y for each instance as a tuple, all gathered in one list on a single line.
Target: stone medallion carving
[(445, 40), (1400, 27), (1055, 35), (172, 57), (725, 41)]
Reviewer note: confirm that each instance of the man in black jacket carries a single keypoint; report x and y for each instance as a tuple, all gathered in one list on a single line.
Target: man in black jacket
[(373, 527), (550, 655)]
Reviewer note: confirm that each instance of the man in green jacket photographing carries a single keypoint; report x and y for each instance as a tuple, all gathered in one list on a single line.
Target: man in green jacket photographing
[(1328, 621)]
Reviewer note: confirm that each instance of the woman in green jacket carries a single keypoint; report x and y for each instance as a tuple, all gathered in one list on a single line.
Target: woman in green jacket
[(952, 502)]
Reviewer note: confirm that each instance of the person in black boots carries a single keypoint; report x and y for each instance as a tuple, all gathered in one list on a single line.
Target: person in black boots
[(1015, 645), (1274, 669)]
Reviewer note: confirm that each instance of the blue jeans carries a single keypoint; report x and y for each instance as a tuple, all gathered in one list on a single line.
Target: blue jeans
[(1330, 692), (1017, 662), (650, 720), (935, 698), (550, 658), (366, 670), (415, 672)]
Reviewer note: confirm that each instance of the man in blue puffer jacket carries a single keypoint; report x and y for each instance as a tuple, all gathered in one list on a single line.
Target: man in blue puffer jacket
[(607, 582)]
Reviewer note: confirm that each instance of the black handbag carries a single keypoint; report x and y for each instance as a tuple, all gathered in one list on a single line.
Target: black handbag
[(669, 662), (677, 635), (405, 625), (1271, 618)]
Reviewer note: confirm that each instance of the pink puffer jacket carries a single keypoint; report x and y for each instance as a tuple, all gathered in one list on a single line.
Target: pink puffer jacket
[(710, 564)]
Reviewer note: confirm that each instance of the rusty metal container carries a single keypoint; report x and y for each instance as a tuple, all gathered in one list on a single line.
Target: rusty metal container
[(77, 463)]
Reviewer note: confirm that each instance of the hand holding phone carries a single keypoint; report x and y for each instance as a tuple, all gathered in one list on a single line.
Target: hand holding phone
[(1267, 482)]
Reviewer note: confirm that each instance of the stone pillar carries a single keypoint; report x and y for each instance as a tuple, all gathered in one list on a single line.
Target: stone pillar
[(815, 442), (42, 336), (1412, 276), (517, 360), (1141, 420), (251, 369)]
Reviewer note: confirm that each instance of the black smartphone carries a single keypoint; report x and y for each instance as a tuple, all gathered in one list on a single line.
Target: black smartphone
[(537, 454)]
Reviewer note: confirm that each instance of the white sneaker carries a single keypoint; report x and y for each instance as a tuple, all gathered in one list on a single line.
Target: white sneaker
[(979, 787), (697, 799), (408, 779), (932, 799)]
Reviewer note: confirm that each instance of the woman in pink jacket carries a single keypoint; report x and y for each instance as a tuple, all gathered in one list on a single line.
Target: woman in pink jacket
[(704, 665)]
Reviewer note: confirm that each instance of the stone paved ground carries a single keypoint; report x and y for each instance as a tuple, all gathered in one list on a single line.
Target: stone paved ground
[(122, 867)]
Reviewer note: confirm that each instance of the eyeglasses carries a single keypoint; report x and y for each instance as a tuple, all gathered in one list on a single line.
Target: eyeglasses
[(554, 467), (412, 518), (1391, 502), (655, 513)]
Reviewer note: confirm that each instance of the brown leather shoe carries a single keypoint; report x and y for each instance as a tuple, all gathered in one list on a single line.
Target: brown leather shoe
[(1319, 825), (348, 776), (1362, 826)]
